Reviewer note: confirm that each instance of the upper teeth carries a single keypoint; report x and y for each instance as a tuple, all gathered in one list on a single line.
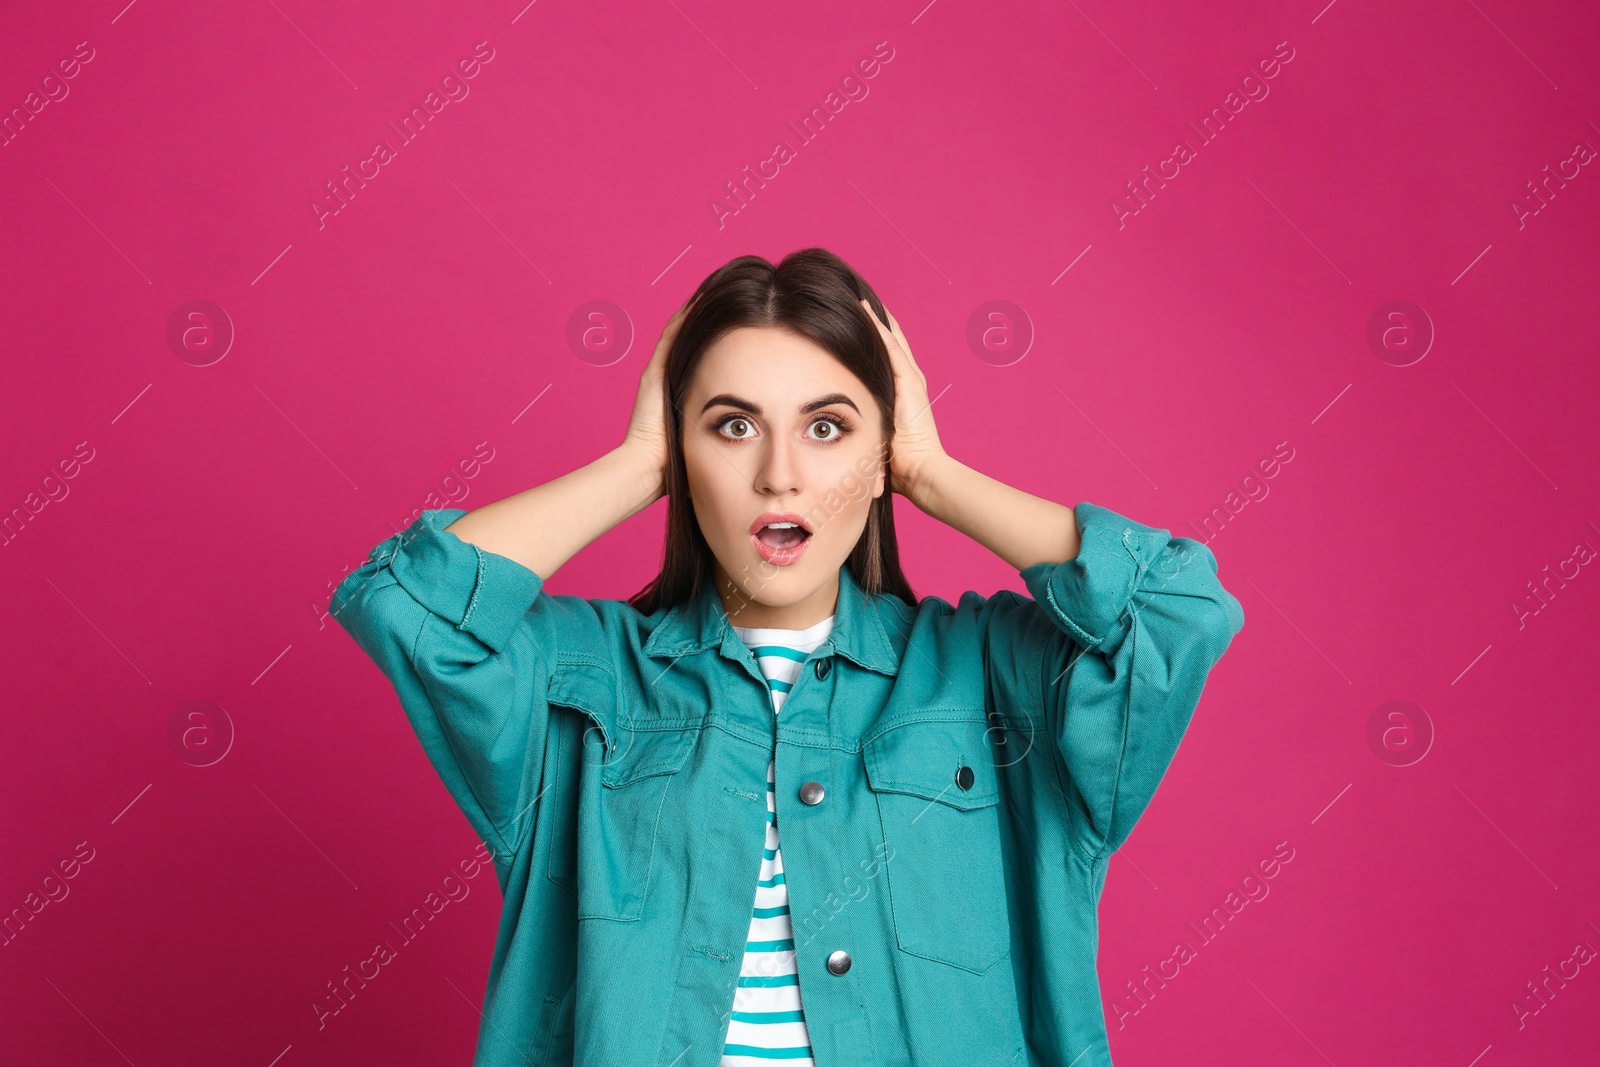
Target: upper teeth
[(783, 525)]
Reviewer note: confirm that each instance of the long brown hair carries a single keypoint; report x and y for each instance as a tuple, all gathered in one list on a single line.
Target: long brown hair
[(812, 293)]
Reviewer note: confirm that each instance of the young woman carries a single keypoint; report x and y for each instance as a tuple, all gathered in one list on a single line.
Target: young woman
[(949, 780)]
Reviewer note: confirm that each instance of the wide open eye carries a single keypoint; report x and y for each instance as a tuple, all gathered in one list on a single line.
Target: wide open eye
[(740, 422), (836, 428)]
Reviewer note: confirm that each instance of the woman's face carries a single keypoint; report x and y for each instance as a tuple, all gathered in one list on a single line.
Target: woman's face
[(774, 425)]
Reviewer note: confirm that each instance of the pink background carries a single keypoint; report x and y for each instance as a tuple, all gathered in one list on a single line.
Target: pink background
[(191, 557)]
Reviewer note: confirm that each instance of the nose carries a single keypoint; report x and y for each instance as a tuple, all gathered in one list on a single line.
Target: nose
[(779, 471)]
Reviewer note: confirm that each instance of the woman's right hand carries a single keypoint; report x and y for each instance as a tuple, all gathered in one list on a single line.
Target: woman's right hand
[(647, 432)]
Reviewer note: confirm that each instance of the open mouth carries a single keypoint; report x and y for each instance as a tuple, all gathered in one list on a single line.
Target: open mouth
[(782, 535)]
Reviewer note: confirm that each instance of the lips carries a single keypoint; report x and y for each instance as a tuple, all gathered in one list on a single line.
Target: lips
[(779, 517), (780, 537)]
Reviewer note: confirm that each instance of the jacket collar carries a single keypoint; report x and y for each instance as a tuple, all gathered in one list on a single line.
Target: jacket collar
[(702, 622)]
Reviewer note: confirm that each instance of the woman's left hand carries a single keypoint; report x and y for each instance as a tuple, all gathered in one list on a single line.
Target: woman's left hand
[(916, 446)]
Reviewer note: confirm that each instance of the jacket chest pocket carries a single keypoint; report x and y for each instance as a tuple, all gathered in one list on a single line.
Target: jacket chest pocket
[(618, 775), (938, 792)]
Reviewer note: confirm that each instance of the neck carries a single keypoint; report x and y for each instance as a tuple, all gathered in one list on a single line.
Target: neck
[(745, 610)]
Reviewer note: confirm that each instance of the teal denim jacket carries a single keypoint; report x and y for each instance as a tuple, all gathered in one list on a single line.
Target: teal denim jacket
[(979, 763)]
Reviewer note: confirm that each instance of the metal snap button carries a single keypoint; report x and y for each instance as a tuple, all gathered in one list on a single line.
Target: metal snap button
[(822, 667), (838, 961), (964, 777), (811, 793)]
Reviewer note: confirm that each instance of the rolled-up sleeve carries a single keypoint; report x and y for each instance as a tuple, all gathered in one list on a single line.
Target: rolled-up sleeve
[(451, 627), (1137, 620), (483, 593)]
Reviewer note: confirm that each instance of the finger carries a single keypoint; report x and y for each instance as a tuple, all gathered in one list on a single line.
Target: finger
[(904, 347), (898, 363), (883, 330), (871, 314), (881, 323), (682, 313), (893, 330), (899, 335), (669, 334)]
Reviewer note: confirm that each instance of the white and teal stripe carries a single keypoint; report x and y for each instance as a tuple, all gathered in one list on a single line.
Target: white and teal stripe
[(768, 1021)]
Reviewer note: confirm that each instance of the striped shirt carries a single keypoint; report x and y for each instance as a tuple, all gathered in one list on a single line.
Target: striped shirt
[(768, 1022)]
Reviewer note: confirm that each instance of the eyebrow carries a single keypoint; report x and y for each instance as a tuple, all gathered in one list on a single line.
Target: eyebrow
[(751, 406)]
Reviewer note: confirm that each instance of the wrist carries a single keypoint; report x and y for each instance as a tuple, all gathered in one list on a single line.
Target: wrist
[(926, 481), (645, 474)]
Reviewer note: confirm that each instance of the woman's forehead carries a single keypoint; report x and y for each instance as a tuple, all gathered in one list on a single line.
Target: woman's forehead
[(761, 343), (776, 370)]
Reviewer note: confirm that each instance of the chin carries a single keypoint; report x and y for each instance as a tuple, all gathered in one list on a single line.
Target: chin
[(780, 587)]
